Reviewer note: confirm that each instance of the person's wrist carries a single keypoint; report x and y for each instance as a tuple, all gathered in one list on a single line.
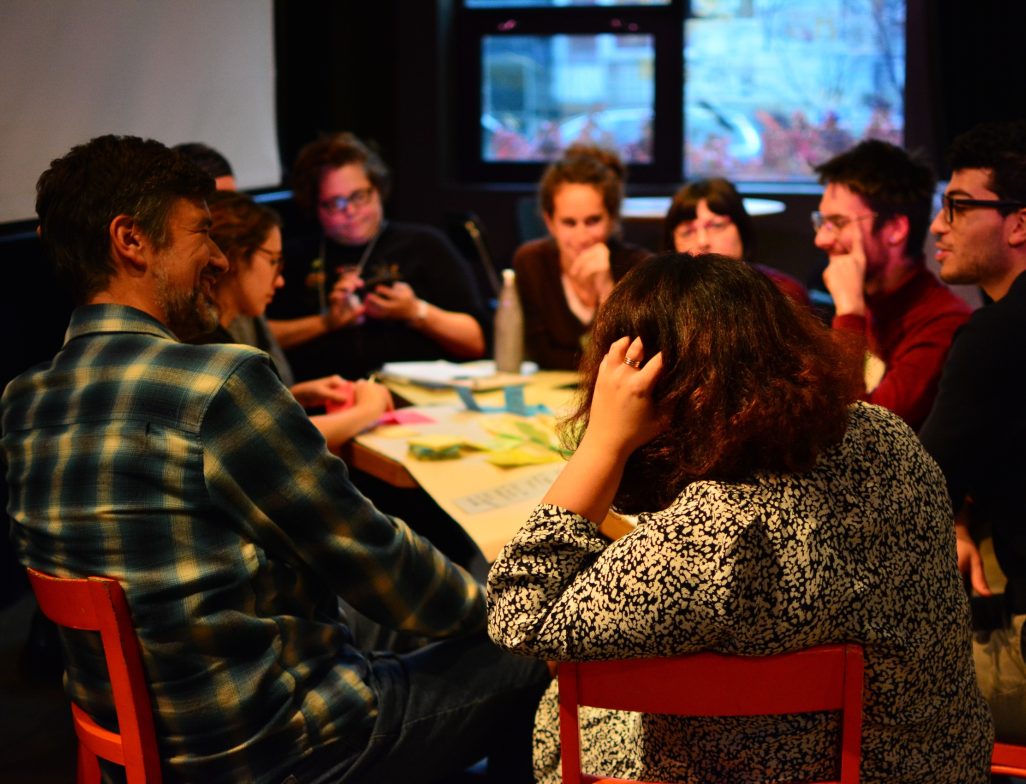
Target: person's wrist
[(848, 302), (850, 309), (604, 444), (420, 314), (333, 320)]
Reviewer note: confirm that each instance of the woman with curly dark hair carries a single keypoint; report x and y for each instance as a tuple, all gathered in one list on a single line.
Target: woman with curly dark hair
[(773, 513), (417, 297)]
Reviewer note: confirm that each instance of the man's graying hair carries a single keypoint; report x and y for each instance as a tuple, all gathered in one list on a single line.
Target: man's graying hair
[(82, 192)]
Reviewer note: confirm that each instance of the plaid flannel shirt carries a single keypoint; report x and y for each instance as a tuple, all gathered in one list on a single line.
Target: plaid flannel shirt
[(191, 475)]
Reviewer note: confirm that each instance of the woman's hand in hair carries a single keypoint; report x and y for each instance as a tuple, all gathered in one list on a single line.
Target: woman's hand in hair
[(622, 418), (623, 414)]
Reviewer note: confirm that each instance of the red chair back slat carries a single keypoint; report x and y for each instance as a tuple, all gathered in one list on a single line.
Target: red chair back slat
[(98, 604), (1008, 760), (824, 678)]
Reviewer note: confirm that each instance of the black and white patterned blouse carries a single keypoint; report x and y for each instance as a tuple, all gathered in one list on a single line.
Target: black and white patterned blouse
[(861, 548)]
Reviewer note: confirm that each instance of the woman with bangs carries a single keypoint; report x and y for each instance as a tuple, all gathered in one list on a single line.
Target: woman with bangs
[(709, 216), (774, 512)]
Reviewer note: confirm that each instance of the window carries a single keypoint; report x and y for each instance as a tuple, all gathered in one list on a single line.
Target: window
[(557, 3), (772, 88), (750, 89), (541, 93)]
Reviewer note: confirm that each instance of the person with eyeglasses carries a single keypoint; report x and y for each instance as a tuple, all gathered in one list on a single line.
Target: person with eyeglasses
[(871, 222), (249, 235), (709, 216), (413, 294), (255, 331), (977, 429), (191, 475)]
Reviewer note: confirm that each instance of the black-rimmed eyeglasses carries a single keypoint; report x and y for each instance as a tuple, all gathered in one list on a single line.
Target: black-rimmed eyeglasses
[(357, 198), (953, 204)]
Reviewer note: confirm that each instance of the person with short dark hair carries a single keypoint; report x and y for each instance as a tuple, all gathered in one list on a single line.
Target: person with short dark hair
[(419, 299), (191, 475), (709, 216), (977, 429), (210, 161), (773, 514), (872, 222), (563, 278)]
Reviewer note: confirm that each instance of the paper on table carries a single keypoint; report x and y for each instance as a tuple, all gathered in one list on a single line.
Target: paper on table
[(513, 397), (530, 488), (441, 373), (512, 441), (528, 454), (395, 417)]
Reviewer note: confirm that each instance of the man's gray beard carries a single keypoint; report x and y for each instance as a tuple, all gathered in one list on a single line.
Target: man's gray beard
[(188, 314)]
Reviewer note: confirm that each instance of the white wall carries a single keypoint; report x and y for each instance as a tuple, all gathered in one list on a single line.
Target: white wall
[(173, 70)]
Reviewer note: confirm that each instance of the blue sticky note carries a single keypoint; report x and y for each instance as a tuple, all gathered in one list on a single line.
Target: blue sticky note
[(467, 397), (515, 400)]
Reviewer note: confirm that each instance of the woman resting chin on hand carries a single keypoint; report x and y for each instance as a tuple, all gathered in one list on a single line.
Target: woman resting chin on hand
[(563, 279)]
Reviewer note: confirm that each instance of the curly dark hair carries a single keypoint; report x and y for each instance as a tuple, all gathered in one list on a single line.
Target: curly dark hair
[(83, 191), (750, 380), (722, 198), (333, 151), (1000, 147), (585, 164), (891, 181)]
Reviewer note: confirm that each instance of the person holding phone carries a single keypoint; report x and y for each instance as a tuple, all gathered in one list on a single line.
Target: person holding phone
[(417, 296)]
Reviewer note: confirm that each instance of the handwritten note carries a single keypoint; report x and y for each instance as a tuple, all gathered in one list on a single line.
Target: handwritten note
[(529, 488)]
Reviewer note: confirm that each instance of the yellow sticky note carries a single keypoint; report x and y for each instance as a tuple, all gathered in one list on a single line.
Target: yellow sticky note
[(436, 441), (511, 458)]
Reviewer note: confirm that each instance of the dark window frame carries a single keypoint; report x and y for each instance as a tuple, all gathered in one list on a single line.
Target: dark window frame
[(664, 23)]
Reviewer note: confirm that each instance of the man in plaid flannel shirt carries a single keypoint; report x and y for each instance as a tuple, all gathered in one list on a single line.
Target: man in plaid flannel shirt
[(190, 474)]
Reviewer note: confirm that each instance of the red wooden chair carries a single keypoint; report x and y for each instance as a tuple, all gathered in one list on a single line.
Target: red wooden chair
[(1008, 760), (823, 678), (98, 604)]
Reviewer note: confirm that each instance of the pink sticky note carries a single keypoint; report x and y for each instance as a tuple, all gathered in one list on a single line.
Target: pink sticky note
[(404, 416), (333, 407)]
